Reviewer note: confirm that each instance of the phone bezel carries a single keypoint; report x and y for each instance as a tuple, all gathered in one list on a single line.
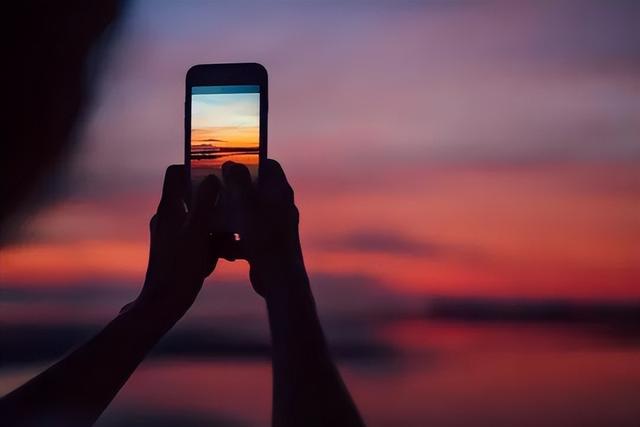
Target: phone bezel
[(225, 74)]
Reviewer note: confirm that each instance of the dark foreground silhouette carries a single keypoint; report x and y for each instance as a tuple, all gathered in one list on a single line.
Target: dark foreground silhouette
[(307, 388), (50, 44)]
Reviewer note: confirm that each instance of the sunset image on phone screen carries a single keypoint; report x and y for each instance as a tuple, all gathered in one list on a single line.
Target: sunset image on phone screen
[(225, 125)]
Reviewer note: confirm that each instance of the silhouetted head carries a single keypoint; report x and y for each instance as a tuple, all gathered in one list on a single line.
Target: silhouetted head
[(45, 87)]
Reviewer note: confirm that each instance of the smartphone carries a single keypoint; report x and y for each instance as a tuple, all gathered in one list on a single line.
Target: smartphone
[(226, 107)]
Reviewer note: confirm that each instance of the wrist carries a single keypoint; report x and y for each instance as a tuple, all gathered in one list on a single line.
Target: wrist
[(156, 310), (275, 276)]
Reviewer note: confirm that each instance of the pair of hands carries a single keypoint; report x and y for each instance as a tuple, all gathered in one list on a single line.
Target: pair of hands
[(183, 252)]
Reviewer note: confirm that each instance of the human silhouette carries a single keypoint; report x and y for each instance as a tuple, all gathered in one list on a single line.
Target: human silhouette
[(307, 387)]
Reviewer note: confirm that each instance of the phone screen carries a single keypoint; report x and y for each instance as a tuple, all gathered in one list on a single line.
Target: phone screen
[(225, 126)]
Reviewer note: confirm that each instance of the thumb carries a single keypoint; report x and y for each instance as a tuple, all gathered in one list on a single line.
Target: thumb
[(205, 205)]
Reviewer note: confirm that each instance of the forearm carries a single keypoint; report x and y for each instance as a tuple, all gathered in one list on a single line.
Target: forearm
[(76, 390), (308, 389)]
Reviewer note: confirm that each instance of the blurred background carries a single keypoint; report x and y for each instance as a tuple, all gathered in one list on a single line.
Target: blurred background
[(468, 181)]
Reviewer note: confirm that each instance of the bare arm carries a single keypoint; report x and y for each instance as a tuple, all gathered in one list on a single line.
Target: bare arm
[(307, 387), (76, 390)]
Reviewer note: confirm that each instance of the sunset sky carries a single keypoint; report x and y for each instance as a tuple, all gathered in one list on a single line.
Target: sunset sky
[(437, 148), (225, 119), (481, 156)]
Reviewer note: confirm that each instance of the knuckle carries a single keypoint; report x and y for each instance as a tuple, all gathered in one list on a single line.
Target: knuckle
[(289, 194), (273, 164), (153, 222), (295, 214)]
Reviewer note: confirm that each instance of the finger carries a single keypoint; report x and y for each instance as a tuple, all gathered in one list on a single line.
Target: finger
[(237, 179), (271, 169), (174, 183), (205, 203), (238, 196), (153, 224), (153, 234), (273, 184), (198, 228), (154, 253), (171, 210)]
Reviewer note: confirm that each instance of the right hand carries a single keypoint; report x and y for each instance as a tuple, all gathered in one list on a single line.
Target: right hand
[(266, 218)]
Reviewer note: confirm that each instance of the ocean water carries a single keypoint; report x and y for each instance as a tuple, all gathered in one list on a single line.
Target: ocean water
[(202, 167), (407, 373)]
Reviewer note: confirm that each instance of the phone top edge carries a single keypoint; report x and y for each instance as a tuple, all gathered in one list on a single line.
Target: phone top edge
[(226, 73)]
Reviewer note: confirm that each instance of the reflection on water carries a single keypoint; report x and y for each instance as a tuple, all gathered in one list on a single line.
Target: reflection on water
[(212, 164), (445, 374)]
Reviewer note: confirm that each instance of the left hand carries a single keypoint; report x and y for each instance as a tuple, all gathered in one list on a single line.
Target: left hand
[(181, 254)]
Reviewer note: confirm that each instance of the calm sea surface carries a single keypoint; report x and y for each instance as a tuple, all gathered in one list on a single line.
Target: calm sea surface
[(439, 374)]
